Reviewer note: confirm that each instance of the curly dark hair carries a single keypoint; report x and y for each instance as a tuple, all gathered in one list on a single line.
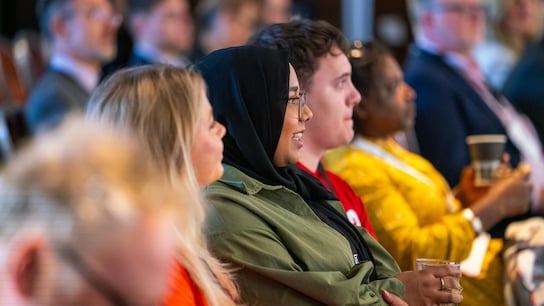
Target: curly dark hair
[(305, 40)]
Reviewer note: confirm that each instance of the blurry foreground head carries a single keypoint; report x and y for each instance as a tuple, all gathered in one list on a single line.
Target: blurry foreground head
[(83, 221)]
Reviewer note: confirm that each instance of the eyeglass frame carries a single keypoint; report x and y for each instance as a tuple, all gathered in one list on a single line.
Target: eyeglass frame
[(301, 103), (95, 14), (458, 8)]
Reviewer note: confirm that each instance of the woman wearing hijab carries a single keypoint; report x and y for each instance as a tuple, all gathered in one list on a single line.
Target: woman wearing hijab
[(285, 232)]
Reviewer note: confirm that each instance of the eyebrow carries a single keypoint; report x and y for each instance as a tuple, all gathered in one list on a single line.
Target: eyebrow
[(344, 75), (293, 88)]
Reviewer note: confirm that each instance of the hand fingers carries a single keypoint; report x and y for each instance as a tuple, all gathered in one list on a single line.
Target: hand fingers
[(392, 299), (523, 170), (443, 271), (444, 297), (449, 283)]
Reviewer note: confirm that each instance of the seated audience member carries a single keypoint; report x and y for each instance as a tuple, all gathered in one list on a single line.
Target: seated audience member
[(84, 221), (453, 100), (225, 23), (285, 232), (167, 108), (162, 31), (511, 26), (410, 204), (82, 35), (317, 51)]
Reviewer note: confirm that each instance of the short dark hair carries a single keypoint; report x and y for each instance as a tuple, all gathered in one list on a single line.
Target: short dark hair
[(305, 40), (367, 61)]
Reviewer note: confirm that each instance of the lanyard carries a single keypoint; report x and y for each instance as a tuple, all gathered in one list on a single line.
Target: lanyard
[(377, 151)]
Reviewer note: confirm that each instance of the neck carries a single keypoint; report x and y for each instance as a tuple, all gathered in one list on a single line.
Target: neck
[(366, 132), (310, 156), (91, 64)]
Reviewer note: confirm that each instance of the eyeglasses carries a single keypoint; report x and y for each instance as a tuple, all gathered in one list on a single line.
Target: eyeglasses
[(301, 101), (78, 264), (461, 9), (98, 14)]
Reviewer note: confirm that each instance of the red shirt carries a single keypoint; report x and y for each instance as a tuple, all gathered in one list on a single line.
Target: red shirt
[(355, 209), (183, 290)]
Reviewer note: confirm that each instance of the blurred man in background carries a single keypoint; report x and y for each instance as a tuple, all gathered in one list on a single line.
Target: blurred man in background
[(82, 34)]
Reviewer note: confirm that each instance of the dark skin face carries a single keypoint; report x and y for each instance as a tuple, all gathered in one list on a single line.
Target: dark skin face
[(389, 107)]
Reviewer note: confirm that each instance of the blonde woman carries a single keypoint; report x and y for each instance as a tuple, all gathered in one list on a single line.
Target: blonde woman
[(168, 110)]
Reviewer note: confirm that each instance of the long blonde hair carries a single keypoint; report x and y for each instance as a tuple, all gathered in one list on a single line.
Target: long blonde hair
[(160, 104)]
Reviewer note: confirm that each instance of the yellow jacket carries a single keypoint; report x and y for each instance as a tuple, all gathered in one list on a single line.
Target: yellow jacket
[(414, 218)]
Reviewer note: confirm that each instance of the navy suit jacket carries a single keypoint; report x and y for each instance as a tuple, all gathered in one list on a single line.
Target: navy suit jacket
[(525, 85), (138, 60), (448, 110), (55, 94)]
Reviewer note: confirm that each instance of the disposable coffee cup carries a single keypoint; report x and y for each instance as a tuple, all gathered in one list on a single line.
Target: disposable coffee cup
[(485, 153)]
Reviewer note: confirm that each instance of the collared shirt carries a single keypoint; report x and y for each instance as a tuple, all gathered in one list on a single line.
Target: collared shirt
[(85, 76), (157, 56)]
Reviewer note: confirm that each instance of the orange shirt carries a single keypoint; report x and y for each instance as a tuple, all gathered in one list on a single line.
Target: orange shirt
[(183, 290)]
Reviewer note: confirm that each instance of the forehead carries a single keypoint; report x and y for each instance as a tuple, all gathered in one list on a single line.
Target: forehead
[(183, 4), (332, 65), (390, 67), (293, 79)]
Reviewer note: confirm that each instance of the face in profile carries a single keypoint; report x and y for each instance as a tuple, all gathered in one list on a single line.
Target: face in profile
[(291, 140), (91, 29), (169, 26), (391, 107), (207, 148), (458, 24), (332, 97)]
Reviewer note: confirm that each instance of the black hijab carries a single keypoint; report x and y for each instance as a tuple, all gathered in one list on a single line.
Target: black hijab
[(248, 90)]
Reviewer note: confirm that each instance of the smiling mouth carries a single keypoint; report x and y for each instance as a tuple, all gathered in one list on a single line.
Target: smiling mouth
[(298, 136)]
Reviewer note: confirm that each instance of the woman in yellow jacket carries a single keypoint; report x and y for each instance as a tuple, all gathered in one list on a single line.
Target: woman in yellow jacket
[(410, 205)]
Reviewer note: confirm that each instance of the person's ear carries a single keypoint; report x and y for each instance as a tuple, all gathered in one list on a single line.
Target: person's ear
[(58, 26), (25, 264)]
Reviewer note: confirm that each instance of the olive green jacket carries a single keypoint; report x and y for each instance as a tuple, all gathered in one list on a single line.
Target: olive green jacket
[(284, 254)]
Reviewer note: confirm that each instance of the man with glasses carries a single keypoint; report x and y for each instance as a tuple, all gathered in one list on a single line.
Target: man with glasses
[(84, 221), (82, 35), (453, 100)]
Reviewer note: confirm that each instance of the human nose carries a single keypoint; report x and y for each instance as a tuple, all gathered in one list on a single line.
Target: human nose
[(306, 113), (222, 130), (354, 96), (410, 92)]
